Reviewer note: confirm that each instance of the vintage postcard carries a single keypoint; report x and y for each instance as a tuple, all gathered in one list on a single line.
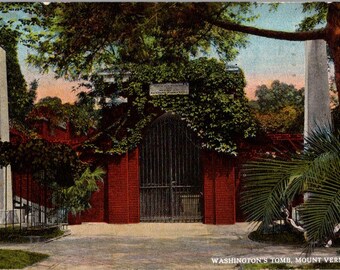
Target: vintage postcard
[(169, 135)]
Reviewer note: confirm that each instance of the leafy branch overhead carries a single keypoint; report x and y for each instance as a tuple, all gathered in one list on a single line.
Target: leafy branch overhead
[(75, 39)]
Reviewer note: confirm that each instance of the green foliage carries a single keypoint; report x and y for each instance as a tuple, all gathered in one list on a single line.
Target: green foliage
[(49, 163), (278, 96), (49, 108), (19, 259), (20, 235), (317, 15), (57, 166), (287, 120), (279, 108), (271, 184), (81, 116), (20, 99), (285, 237), (216, 107), (75, 39), (76, 198)]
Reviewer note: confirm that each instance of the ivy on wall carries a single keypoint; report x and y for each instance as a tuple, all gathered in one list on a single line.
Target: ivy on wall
[(57, 166), (216, 107), (49, 163)]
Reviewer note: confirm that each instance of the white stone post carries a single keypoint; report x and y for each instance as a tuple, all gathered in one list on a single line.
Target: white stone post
[(6, 196), (317, 101)]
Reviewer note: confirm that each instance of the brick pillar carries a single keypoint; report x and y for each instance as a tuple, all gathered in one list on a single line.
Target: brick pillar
[(219, 189), (224, 191), (208, 187), (134, 194), (122, 188), (118, 195)]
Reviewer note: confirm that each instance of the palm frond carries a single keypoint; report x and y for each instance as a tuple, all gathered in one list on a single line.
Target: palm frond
[(270, 184), (265, 188), (320, 141), (321, 212)]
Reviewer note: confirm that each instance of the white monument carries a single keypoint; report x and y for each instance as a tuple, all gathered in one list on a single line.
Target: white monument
[(6, 196), (317, 101)]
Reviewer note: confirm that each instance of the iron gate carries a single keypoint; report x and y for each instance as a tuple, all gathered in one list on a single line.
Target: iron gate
[(170, 178)]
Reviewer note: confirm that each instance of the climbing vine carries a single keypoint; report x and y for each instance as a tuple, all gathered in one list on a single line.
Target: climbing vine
[(49, 163), (57, 166), (215, 108)]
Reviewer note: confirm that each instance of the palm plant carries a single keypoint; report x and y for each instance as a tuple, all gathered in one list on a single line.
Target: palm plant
[(270, 185), (76, 198)]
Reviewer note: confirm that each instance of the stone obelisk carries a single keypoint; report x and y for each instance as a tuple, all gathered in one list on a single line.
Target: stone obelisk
[(6, 196), (317, 101)]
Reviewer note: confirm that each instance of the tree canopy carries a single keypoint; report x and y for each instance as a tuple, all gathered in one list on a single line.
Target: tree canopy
[(279, 108), (77, 39)]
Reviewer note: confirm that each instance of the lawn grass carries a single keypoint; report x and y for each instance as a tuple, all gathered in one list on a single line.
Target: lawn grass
[(18, 259), (17, 235)]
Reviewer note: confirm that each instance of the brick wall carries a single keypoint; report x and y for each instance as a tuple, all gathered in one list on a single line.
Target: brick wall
[(58, 134), (117, 189), (119, 202), (218, 189), (134, 193), (123, 189), (208, 187)]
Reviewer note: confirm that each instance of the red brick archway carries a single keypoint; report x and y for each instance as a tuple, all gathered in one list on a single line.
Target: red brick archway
[(118, 200)]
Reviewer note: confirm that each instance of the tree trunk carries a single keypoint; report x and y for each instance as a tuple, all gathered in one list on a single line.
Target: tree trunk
[(333, 40)]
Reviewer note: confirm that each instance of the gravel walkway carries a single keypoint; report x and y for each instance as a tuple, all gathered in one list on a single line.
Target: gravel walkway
[(157, 246)]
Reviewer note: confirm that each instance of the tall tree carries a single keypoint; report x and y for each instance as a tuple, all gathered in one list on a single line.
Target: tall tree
[(76, 39), (20, 98)]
